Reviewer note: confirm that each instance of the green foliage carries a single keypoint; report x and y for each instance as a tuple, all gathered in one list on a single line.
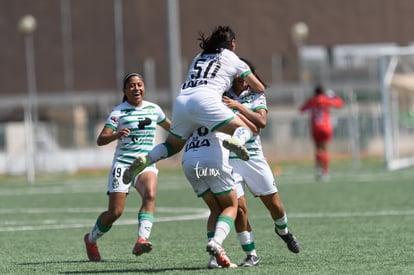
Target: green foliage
[(361, 222)]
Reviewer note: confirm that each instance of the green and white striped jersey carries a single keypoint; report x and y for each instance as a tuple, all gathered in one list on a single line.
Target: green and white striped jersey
[(253, 101), (142, 122)]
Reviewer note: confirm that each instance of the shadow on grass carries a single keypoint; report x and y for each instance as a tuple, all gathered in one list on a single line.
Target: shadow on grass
[(134, 270), (103, 271), (55, 262)]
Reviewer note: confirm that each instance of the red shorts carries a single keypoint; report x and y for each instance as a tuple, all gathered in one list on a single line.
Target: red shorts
[(322, 134)]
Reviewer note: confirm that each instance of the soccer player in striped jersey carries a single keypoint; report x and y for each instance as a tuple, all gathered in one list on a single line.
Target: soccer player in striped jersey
[(321, 128), (132, 124), (200, 104), (255, 173)]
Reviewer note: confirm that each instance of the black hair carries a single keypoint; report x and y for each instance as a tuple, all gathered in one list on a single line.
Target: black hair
[(319, 89), (125, 82), (219, 39), (253, 69), (128, 76)]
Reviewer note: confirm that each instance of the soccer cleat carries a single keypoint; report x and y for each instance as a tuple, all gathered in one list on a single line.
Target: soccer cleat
[(318, 173), (91, 250), (291, 241), (217, 251), (325, 178), (142, 246), (233, 145), (251, 260), (212, 263), (134, 169)]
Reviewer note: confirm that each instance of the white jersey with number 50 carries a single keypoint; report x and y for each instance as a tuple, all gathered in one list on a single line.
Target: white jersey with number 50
[(214, 72)]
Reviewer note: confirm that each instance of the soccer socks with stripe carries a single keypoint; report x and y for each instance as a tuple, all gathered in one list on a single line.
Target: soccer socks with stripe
[(98, 231), (247, 242), (159, 152), (210, 235), (243, 134), (281, 225), (223, 226), (145, 221)]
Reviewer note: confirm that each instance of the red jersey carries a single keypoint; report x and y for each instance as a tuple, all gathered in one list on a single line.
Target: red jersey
[(319, 106)]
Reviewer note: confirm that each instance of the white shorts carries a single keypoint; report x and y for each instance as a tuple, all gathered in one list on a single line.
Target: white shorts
[(191, 111), (256, 174), (239, 189), (115, 184), (204, 175)]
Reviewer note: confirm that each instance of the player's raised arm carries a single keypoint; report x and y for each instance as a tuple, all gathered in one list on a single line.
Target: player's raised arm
[(255, 84)]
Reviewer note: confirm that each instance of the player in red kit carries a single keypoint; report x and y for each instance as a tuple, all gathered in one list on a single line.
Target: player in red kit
[(319, 107)]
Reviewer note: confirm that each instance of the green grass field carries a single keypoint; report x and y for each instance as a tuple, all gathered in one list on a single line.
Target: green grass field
[(362, 222)]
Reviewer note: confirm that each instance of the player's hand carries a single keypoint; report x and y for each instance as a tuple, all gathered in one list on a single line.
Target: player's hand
[(231, 103), (123, 133)]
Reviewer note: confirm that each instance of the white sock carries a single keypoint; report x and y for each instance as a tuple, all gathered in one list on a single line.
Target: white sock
[(159, 152), (95, 234), (98, 231), (145, 221), (243, 134), (281, 225), (223, 227), (246, 240)]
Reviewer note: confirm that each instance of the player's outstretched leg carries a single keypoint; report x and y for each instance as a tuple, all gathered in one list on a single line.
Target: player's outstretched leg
[(234, 145), (136, 167)]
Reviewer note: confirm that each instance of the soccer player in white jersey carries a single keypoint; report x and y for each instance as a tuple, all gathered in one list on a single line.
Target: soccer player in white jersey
[(132, 124), (199, 103), (206, 165), (256, 172)]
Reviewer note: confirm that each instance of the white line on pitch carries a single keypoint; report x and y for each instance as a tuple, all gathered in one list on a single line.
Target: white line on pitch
[(95, 210), (200, 214)]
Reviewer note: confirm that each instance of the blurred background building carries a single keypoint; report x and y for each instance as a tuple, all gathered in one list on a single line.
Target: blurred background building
[(60, 79)]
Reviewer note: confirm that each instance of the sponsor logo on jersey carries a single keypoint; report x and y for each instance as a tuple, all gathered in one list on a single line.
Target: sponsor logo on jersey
[(196, 144), (115, 183), (149, 108), (194, 83), (144, 122), (114, 119)]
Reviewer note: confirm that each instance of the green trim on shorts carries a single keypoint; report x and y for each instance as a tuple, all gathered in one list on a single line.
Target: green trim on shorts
[(102, 228), (222, 123), (222, 193), (202, 194)]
